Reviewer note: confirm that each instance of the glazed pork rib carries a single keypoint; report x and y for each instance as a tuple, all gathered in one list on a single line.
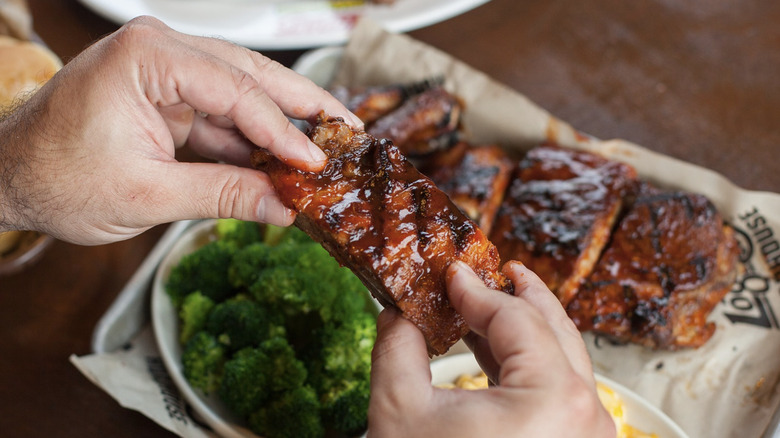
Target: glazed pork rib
[(670, 261), (370, 103), (558, 214), (423, 123), (474, 177), (379, 216)]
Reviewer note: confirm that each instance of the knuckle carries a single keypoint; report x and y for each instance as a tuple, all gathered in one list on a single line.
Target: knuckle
[(229, 204), (582, 402), (265, 65), (139, 28), (244, 84), (136, 35), (144, 20), (568, 326)]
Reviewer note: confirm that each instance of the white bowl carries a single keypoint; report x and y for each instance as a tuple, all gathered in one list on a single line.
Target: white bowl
[(638, 412), (165, 323)]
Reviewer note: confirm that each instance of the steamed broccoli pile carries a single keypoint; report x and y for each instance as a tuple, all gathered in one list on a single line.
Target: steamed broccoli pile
[(271, 323)]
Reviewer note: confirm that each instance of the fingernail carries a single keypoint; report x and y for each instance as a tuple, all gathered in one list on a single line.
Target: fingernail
[(517, 266), (271, 210), (459, 267), (386, 317), (316, 154), (356, 122)]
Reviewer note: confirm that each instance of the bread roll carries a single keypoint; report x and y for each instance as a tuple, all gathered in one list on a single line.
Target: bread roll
[(24, 67)]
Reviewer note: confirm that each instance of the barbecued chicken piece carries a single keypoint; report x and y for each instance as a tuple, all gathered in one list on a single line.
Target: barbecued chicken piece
[(378, 215), (670, 261), (369, 103), (424, 123), (558, 213), (474, 177)]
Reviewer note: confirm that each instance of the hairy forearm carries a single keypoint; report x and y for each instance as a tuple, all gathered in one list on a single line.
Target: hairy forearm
[(12, 167)]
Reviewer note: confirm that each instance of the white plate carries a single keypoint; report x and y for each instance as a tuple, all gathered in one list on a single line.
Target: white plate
[(291, 24), (638, 412)]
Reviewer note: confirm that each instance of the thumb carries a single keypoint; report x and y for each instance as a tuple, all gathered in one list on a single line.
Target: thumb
[(400, 368), (212, 190)]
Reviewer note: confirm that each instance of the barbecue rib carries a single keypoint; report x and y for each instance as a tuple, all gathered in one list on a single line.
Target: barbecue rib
[(558, 214), (379, 216), (474, 177), (369, 103), (422, 124), (670, 261)]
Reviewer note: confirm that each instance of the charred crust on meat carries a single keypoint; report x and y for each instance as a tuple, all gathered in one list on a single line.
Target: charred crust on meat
[(379, 216)]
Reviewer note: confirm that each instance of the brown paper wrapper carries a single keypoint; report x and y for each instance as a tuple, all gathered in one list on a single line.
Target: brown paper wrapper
[(728, 387)]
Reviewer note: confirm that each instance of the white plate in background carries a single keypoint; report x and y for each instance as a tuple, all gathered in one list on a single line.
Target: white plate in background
[(278, 25), (637, 411)]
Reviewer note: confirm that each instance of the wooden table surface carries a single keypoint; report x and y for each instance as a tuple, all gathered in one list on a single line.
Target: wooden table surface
[(698, 82)]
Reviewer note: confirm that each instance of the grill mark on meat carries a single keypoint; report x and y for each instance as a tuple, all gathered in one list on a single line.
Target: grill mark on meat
[(423, 123), (379, 216), (474, 177), (558, 214), (671, 259)]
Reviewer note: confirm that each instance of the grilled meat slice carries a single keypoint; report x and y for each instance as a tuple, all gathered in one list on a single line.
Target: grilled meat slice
[(558, 214), (670, 261), (370, 103), (424, 123), (474, 177), (378, 215)]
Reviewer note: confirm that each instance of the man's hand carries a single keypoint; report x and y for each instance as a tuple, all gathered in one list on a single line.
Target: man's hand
[(527, 345), (90, 158)]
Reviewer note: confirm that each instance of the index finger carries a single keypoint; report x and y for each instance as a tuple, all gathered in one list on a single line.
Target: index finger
[(171, 72), (520, 340), (296, 95), (532, 289)]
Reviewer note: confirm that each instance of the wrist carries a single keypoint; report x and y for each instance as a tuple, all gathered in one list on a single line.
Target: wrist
[(11, 169)]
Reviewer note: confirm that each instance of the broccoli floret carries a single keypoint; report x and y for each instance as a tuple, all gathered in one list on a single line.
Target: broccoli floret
[(341, 372), (345, 408), (193, 314), (247, 263), (307, 256), (275, 235), (348, 346), (203, 270), (202, 361), (348, 296), (306, 285), (288, 290), (244, 383), (302, 278), (240, 322), (294, 414), (240, 233), (344, 353), (286, 371), (255, 375)]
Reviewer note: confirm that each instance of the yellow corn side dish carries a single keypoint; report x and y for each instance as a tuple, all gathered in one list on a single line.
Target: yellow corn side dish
[(467, 381), (614, 406), (609, 399)]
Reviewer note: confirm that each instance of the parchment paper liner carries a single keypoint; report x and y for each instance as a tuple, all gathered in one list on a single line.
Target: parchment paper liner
[(727, 388)]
